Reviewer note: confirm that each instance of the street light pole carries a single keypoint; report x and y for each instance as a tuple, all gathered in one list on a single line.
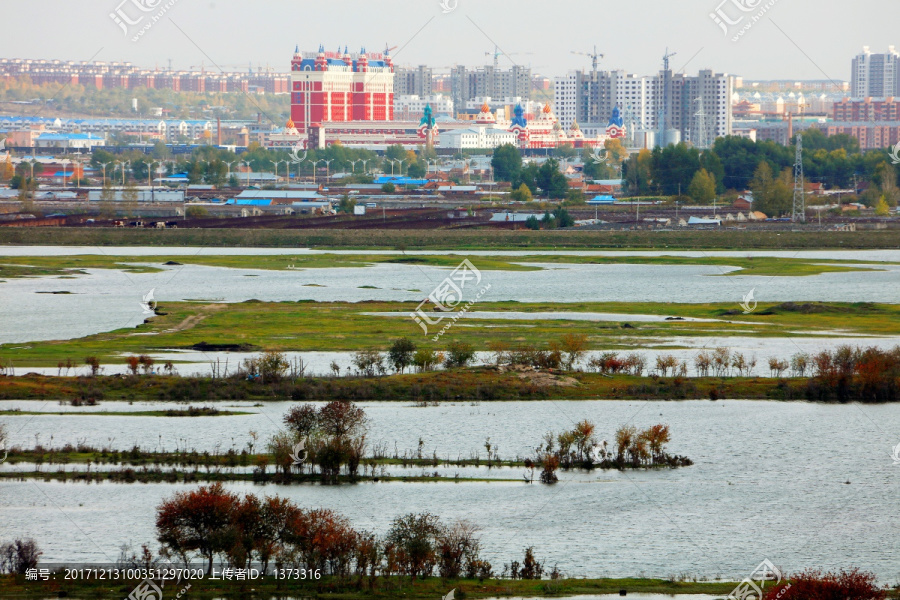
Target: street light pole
[(150, 178), (104, 171), (247, 164)]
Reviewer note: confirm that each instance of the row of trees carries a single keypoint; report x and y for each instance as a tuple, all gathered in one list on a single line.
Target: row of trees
[(580, 448), (210, 523), (545, 179), (735, 163), (404, 354)]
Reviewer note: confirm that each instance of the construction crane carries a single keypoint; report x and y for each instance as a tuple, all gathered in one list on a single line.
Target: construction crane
[(666, 58), (593, 55), (497, 52)]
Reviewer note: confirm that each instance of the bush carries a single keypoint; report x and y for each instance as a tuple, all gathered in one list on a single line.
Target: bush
[(459, 354), (18, 556), (400, 354)]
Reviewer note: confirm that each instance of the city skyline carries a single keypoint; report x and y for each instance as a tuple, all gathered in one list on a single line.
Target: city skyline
[(785, 43)]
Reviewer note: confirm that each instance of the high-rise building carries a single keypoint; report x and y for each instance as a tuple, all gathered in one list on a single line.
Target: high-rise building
[(413, 81), (875, 75), (663, 101), (466, 84), (339, 86)]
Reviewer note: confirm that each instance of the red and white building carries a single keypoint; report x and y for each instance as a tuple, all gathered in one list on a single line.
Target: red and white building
[(328, 87)]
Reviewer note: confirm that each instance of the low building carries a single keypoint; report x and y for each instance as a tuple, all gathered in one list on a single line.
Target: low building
[(477, 137), (69, 141)]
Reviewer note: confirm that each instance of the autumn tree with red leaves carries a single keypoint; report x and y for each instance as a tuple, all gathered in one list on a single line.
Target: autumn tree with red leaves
[(816, 585), (197, 521)]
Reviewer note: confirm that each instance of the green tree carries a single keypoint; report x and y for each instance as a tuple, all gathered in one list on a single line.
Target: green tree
[(636, 173), (532, 223), (506, 162), (770, 195), (882, 209), (886, 178), (416, 169), (703, 187), (521, 194), (196, 212), (388, 188), (400, 354), (346, 205), (562, 217), (527, 176), (459, 354), (550, 180), (674, 167)]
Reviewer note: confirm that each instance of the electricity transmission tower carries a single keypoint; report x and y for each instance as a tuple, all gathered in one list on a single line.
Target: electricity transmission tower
[(799, 209)]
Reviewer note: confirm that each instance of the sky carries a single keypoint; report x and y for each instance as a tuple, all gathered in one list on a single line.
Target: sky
[(790, 39)]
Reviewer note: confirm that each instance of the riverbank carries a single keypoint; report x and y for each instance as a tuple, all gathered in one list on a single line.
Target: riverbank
[(469, 239), (307, 326), (469, 384), (361, 589), (68, 266)]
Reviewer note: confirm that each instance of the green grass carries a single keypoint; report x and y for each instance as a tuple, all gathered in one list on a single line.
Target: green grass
[(31, 266), (342, 326)]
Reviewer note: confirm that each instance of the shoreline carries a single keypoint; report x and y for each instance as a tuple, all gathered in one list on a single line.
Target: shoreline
[(486, 239), (482, 384)]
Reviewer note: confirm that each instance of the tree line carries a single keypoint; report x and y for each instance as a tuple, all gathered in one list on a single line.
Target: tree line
[(765, 167), (580, 448), (211, 524)]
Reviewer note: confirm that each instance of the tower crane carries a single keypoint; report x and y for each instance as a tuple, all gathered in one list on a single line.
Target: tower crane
[(666, 58), (497, 52), (593, 55)]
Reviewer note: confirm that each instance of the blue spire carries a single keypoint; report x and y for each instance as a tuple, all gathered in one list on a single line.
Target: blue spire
[(345, 49), (616, 118), (297, 49), (362, 50), (321, 48)]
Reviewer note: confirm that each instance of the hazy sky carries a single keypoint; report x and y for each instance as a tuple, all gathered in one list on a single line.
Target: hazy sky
[(818, 38)]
